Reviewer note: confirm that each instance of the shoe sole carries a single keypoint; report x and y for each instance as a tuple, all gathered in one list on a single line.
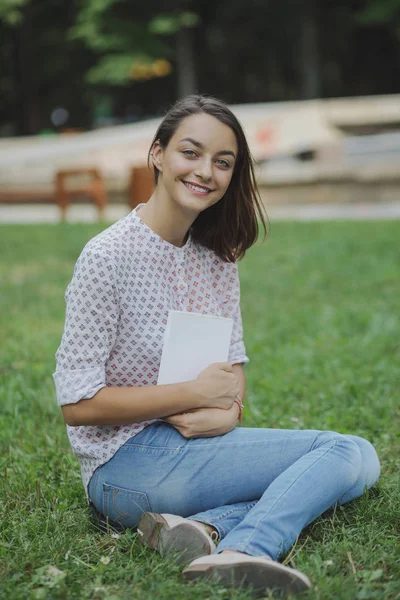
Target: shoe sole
[(182, 542), (274, 577)]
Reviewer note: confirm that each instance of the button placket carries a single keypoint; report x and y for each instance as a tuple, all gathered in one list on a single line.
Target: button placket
[(181, 282)]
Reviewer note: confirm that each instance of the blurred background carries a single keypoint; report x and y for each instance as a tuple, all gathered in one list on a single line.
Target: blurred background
[(84, 84)]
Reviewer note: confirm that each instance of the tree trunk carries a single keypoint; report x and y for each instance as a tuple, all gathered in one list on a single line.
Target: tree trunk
[(310, 76), (185, 62), (26, 75)]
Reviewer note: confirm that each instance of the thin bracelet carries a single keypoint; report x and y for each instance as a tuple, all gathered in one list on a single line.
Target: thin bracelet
[(240, 404)]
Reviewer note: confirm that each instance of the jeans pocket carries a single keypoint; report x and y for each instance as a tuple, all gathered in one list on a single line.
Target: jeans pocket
[(123, 506)]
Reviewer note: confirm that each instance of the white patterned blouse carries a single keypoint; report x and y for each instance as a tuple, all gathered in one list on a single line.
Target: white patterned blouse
[(125, 281)]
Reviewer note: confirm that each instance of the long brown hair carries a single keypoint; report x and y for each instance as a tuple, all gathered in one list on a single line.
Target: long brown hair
[(230, 226)]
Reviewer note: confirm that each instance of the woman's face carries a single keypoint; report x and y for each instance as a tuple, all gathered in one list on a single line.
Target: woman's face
[(196, 167)]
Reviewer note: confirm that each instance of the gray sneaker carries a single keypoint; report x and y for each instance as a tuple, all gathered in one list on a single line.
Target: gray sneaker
[(259, 572), (172, 535)]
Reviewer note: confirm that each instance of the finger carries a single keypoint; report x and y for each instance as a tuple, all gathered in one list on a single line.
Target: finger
[(184, 431), (173, 420)]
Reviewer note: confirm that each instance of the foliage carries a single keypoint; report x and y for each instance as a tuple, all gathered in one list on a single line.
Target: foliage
[(380, 11), (116, 69), (11, 11), (126, 41), (56, 53), (322, 329), (169, 24), (102, 31), (121, 43)]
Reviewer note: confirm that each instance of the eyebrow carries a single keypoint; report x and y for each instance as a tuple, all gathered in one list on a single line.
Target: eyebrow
[(200, 145)]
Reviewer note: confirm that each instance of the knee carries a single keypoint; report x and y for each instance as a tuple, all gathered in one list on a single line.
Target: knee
[(345, 443), (370, 466), (347, 454), (369, 472)]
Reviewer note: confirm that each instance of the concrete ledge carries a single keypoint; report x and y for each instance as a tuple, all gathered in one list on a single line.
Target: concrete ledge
[(13, 214), (332, 192)]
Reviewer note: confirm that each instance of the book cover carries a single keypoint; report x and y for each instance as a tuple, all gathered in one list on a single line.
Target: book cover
[(192, 342)]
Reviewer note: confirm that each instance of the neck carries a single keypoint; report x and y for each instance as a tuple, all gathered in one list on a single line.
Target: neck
[(167, 219)]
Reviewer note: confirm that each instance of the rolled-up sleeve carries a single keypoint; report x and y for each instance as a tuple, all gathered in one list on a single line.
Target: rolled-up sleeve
[(231, 308), (90, 329)]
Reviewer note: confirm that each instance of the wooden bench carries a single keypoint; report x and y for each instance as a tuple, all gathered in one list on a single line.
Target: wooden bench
[(95, 189), (63, 192), (141, 185), (140, 188), (44, 196)]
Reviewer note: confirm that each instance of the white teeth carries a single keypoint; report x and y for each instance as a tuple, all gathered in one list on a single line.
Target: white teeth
[(196, 188)]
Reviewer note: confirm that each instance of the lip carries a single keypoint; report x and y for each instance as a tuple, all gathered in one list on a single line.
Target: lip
[(198, 193)]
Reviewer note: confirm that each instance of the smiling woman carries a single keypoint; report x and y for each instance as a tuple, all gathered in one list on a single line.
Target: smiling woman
[(216, 166), (191, 175), (169, 459)]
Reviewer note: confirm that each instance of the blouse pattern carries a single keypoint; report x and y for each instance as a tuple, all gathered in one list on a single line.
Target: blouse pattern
[(125, 282)]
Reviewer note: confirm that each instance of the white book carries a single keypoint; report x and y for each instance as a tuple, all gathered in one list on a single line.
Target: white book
[(192, 342)]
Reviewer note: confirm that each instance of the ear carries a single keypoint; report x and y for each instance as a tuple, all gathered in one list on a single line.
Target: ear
[(157, 154)]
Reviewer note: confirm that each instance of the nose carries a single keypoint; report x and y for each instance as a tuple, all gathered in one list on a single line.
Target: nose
[(204, 170)]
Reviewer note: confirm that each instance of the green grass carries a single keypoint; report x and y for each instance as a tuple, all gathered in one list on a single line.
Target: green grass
[(320, 305)]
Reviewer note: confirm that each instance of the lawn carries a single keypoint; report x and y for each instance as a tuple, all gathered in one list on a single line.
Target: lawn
[(320, 304)]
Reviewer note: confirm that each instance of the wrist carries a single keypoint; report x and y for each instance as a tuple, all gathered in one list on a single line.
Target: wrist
[(236, 410), (239, 406), (197, 399)]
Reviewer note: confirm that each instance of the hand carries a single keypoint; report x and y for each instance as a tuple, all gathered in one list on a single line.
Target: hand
[(217, 386), (205, 422)]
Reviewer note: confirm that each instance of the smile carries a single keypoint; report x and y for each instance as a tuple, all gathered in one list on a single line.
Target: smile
[(197, 189)]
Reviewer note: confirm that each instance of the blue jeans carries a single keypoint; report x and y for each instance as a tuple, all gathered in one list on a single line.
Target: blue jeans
[(257, 487)]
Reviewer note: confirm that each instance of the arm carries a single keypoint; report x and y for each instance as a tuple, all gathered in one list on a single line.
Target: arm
[(89, 336), (215, 387), (238, 370), (210, 422), (124, 405)]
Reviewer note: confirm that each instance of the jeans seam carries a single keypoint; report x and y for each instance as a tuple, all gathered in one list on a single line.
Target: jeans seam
[(246, 544), (148, 447), (230, 512), (215, 522), (94, 478), (221, 530)]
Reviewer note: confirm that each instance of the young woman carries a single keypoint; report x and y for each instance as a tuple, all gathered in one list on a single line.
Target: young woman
[(169, 459)]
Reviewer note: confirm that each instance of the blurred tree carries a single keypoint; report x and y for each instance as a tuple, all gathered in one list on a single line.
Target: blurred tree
[(13, 81), (11, 11), (180, 24), (39, 70), (130, 41), (259, 50), (309, 51), (121, 60), (381, 11)]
